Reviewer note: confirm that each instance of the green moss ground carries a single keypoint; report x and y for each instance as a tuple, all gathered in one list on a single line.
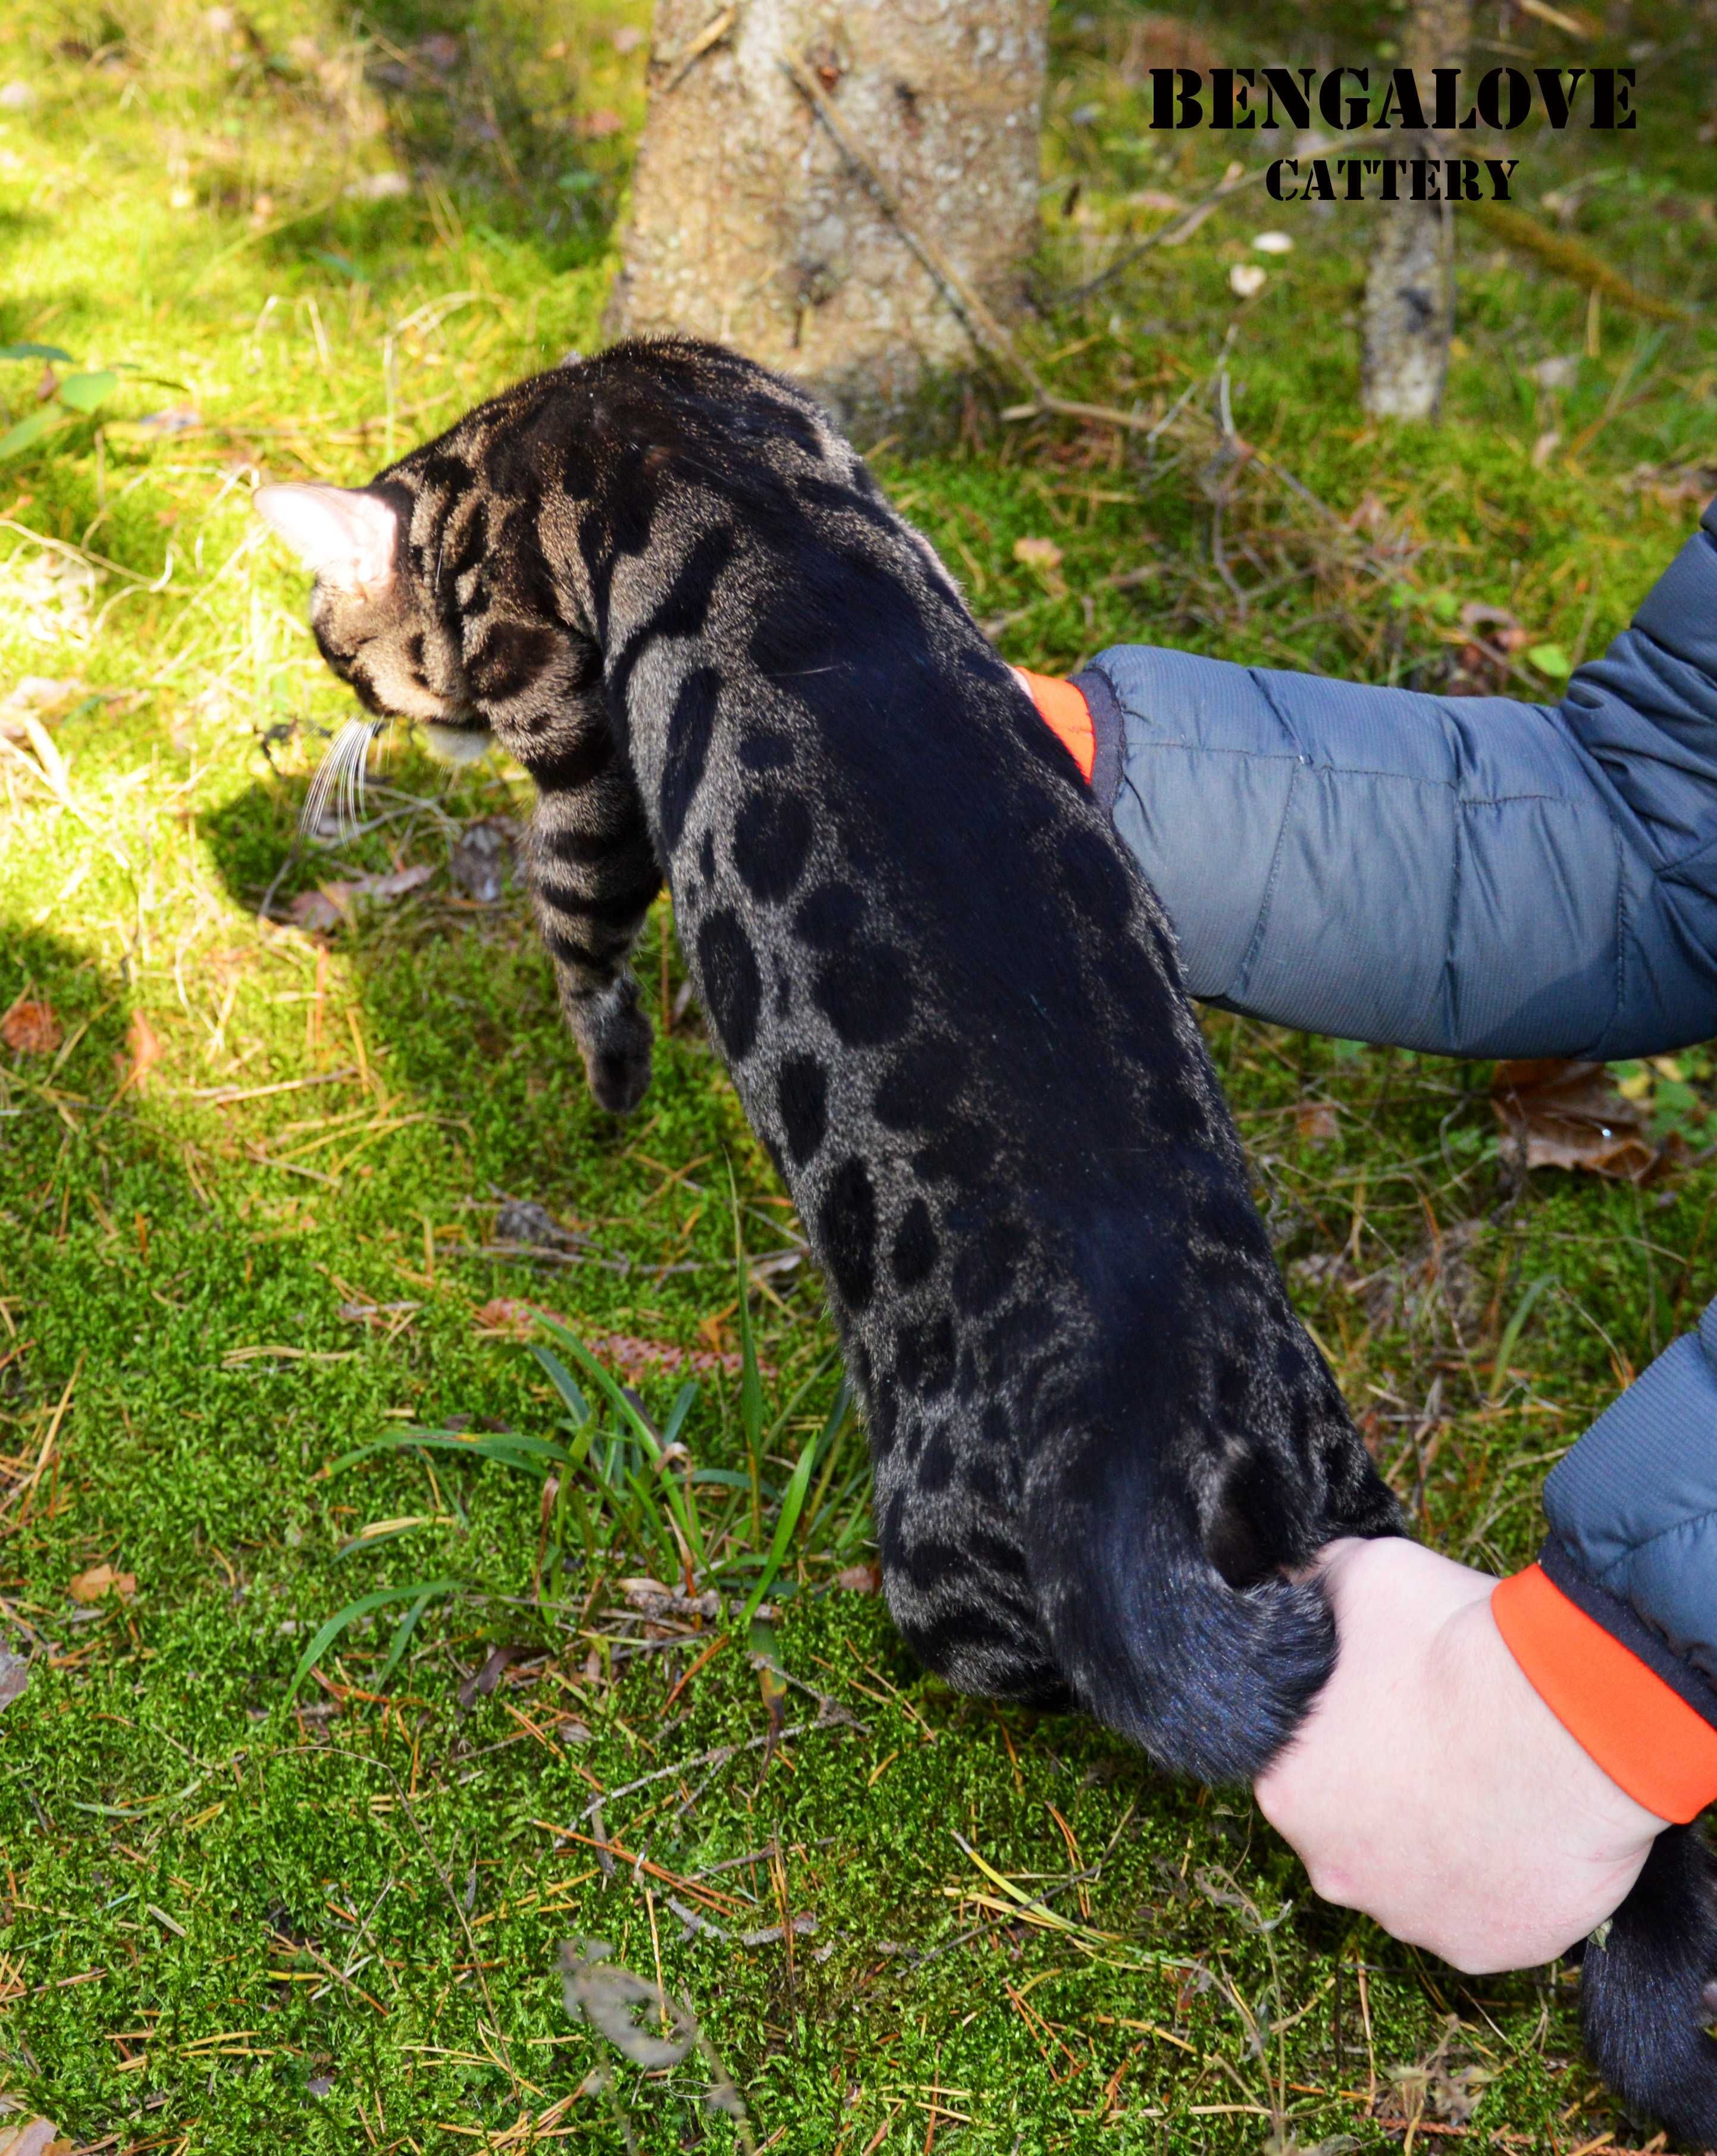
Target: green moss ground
[(233, 1922)]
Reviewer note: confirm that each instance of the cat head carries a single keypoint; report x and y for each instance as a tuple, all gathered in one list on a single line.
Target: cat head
[(371, 615)]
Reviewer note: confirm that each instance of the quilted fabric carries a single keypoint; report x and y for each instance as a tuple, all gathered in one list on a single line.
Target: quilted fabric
[(1471, 876)]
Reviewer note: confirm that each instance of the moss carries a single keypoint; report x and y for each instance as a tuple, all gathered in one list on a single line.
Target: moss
[(228, 1921)]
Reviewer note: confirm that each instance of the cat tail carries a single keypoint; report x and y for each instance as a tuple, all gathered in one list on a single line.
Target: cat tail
[(1649, 1991), (1210, 1678)]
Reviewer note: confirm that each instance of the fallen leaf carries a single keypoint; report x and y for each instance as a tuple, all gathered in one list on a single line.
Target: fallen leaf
[(142, 1051), (321, 912), (96, 1585), (394, 886), (523, 1220), (1040, 554), (507, 1318), (608, 1995), (378, 186), (37, 696), (654, 1599), (1674, 483), (1316, 1122), (176, 419), (1155, 198), (626, 38), (1571, 1116), (38, 2137), (482, 859), (1560, 372), (30, 1028), (597, 126), (860, 1579), (481, 1682), (14, 1676)]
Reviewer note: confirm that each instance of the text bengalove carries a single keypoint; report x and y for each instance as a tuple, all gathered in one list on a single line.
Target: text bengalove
[(1503, 98)]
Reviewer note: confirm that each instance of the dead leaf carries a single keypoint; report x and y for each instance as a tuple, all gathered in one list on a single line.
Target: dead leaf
[(505, 1317), (481, 1682), (597, 126), (860, 1579), (97, 1583), (142, 1051), (175, 419), (523, 1220), (1316, 1122), (320, 911), (382, 888), (37, 2137), (1672, 483), (651, 1599), (1571, 1115), (482, 859), (1042, 555), (608, 1995), (30, 1028), (14, 1676), (37, 696)]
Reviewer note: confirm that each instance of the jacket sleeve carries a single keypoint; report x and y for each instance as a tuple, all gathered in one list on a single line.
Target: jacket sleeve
[(1616, 1625), (1474, 875)]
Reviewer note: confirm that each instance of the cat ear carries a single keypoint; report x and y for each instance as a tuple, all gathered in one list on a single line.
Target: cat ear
[(346, 535)]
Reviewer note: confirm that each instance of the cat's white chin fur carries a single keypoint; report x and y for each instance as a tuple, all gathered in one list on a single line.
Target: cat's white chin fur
[(457, 744), (343, 534)]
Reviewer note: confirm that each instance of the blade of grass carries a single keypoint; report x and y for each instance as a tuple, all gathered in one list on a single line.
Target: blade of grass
[(564, 1383), (1512, 1331), (508, 1448), (791, 1507), (751, 1383), (401, 1638), (830, 1443), (377, 1599)]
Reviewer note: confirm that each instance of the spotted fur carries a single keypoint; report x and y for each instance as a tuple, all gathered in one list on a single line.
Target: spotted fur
[(951, 1006)]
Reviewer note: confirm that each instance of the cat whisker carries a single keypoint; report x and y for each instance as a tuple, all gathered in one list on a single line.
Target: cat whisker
[(339, 782)]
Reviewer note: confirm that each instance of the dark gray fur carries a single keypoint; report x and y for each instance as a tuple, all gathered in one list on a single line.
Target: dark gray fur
[(950, 1005)]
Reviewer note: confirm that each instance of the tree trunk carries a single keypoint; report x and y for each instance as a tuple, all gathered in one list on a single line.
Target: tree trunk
[(750, 224), (1410, 287)]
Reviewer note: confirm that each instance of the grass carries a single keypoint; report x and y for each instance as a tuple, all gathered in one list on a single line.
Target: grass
[(248, 1202)]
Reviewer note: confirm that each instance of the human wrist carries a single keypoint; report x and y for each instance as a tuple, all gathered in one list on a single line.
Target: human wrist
[(1637, 1730)]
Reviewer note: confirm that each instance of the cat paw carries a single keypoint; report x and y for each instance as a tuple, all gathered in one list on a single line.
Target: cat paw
[(614, 1037)]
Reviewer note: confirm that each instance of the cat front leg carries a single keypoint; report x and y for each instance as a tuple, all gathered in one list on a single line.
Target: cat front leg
[(593, 874)]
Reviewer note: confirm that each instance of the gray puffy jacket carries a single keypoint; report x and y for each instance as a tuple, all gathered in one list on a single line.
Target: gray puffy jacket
[(1472, 877)]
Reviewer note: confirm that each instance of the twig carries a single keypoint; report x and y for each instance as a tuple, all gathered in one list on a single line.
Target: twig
[(717, 1756), (987, 331), (689, 55), (1167, 236)]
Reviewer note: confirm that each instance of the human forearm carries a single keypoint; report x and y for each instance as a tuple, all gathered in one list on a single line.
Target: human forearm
[(1475, 876)]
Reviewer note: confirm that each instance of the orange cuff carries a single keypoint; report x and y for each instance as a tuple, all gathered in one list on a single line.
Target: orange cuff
[(1644, 1736), (1064, 711)]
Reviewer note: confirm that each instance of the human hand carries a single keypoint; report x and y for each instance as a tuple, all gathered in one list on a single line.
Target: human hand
[(1432, 1788)]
